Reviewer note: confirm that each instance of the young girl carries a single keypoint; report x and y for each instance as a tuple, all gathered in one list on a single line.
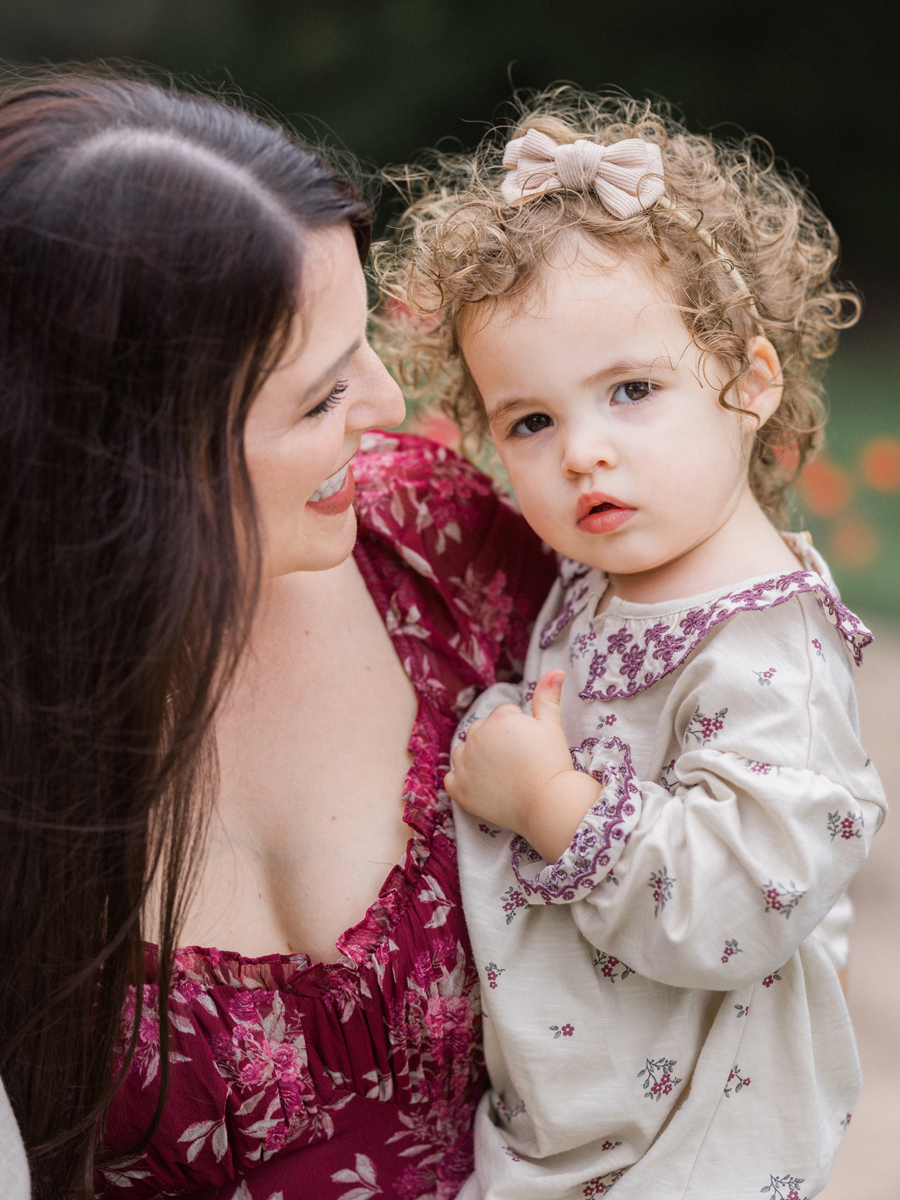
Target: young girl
[(654, 857)]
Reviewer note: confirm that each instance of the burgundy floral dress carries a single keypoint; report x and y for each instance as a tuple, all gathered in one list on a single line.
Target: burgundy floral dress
[(356, 1079)]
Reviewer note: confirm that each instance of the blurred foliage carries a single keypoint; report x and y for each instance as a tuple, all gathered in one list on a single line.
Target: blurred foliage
[(388, 77)]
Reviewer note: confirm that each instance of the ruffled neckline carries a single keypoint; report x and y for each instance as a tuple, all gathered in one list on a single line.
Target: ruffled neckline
[(649, 641)]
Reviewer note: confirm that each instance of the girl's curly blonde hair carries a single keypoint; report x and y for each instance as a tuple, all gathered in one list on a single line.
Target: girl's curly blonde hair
[(459, 244)]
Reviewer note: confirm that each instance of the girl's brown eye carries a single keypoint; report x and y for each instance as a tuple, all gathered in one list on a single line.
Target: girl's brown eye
[(633, 391), (533, 423)]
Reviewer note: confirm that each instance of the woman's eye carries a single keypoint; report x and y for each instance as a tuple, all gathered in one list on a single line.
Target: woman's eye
[(533, 423), (330, 400), (633, 391)]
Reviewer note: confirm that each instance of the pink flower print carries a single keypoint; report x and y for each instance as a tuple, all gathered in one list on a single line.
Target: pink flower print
[(846, 1121), (759, 768), (846, 827), (770, 979), (704, 728), (563, 1031), (659, 1079), (609, 719), (617, 642), (818, 645), (743, 1081), (506, 1150), (608, 1145), (487, 829), (781, 899), (662, 886), (785, 1187), (765, 677), (731, 948), (493, 973), (743, 1010), (608, 963), (513, 900)]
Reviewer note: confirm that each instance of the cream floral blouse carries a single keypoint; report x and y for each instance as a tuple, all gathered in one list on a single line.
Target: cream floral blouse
[(662, 1008)]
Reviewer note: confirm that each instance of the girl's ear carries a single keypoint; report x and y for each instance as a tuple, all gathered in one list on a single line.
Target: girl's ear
[(762, 387)]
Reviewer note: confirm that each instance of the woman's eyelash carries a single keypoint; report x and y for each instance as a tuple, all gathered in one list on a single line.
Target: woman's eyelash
[(330, 400)]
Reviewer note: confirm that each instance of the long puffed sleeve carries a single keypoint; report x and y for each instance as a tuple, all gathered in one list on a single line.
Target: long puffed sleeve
[(714, 880)]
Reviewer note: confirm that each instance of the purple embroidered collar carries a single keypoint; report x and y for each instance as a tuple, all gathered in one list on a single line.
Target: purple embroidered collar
[(630, 662)]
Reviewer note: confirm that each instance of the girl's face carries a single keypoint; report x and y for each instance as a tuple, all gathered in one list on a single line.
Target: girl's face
[(615, 443), (305, 425)]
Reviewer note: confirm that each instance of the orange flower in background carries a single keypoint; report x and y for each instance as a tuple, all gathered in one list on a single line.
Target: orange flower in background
[(854, 542), (826, 487), (880, 464)]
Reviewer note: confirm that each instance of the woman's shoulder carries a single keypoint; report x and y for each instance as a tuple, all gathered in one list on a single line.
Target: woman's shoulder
[(460, 535)]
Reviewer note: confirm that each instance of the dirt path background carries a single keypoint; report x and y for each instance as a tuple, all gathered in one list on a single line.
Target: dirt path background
[(868, 1164)]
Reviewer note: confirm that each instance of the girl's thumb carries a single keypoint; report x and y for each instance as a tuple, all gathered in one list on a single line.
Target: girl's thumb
[(545, 702)]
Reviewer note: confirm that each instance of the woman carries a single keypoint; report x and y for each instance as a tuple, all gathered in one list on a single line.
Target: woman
[(217, 727)]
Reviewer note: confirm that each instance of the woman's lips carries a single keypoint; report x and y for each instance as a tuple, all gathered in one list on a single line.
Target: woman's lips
[(599, 513), (338, 501)]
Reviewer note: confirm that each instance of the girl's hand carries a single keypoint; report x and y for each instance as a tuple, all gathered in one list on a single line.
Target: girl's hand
[(516, 771)]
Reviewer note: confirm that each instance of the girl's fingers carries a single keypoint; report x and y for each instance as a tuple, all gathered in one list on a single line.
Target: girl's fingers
[(545, 704)]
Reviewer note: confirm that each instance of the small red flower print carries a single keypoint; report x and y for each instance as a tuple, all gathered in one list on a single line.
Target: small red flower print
[(765, 677), (564, 1031), (662, 889), (781, 899), (770, 979), (608, 1145), (743, 1081), (818, 646), (846, 827), (659, 1081), (513, 900), (706, 729), (493, 973), (785, 1187), (845, 1121), (609, 719), (487, 829), (743, 1009), (731, 948), (608, 963)]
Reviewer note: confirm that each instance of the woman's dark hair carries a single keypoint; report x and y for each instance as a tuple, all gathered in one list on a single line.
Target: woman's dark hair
[(150, 250)]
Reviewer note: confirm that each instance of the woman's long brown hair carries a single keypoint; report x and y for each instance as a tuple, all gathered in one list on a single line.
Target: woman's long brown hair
[(150, 250)]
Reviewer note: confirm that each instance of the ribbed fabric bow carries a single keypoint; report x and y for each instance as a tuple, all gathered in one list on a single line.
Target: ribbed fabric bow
[(627, 175)]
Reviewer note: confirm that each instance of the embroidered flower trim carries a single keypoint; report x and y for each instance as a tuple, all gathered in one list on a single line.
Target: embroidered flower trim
[(624, 661), (607, 825)]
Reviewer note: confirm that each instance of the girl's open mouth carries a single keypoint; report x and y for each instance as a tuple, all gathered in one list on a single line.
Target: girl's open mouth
[(597, 513)]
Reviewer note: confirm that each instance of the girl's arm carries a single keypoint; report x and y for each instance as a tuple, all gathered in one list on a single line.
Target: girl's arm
[(717, 883)]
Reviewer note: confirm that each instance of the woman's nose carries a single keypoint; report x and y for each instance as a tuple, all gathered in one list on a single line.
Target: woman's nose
[(380, 403)]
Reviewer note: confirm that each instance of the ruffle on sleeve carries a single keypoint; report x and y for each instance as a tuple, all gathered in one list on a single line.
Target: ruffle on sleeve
[(599, 839)]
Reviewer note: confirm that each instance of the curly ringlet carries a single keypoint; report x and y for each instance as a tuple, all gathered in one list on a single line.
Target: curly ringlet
[(459, 245)]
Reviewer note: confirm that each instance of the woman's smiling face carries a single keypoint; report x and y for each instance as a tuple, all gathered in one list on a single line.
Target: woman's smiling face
[(609, 426), (306, 422)]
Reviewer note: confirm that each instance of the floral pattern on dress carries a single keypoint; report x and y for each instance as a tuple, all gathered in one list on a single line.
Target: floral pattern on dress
[(704, 729), (783, 1187), (601, 1185), (608, 964), (279, 1064), (626, 665), (781, 899), (846, 827), (562, 1030), (659, 1078), (765, 677), (730, 949), (736, 1081), (662, 886), (493, 973), (601, 834)]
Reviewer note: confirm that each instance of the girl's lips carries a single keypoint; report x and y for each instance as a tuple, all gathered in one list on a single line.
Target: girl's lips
[(599, 513), (339, 501)]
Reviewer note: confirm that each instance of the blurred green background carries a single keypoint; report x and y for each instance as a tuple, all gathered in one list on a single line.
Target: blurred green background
[(387, 78)]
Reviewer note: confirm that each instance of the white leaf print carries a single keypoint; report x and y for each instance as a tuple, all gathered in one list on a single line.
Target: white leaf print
[(417, 562), (439, 917), (345, 1176), (220, 1142), (194, 1149), (412, 1151), (181, 1023), (277, 1196), (208, 1003), (452, 530), (243, 1192), (366, 1169), (249, 1105), (177, 1056), (198, 1130), (362, 1193)]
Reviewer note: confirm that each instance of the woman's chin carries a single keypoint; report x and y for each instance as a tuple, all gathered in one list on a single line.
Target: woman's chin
[(327, 544)]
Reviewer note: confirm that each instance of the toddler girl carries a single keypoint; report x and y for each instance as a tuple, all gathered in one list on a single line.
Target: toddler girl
[(653, 858)]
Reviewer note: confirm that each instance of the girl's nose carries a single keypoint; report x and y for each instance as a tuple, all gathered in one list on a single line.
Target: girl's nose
[(586, 449)]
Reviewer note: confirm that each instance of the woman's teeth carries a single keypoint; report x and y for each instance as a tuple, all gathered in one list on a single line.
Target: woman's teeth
[(332, 484)]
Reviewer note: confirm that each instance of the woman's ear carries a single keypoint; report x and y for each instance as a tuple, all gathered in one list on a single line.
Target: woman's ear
[(762, 387)]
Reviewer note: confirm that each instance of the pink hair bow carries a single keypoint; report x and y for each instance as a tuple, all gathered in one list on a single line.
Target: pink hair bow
[(627, 175)]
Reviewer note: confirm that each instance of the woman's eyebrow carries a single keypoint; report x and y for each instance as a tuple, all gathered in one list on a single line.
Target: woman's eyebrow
[(334, 369)]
